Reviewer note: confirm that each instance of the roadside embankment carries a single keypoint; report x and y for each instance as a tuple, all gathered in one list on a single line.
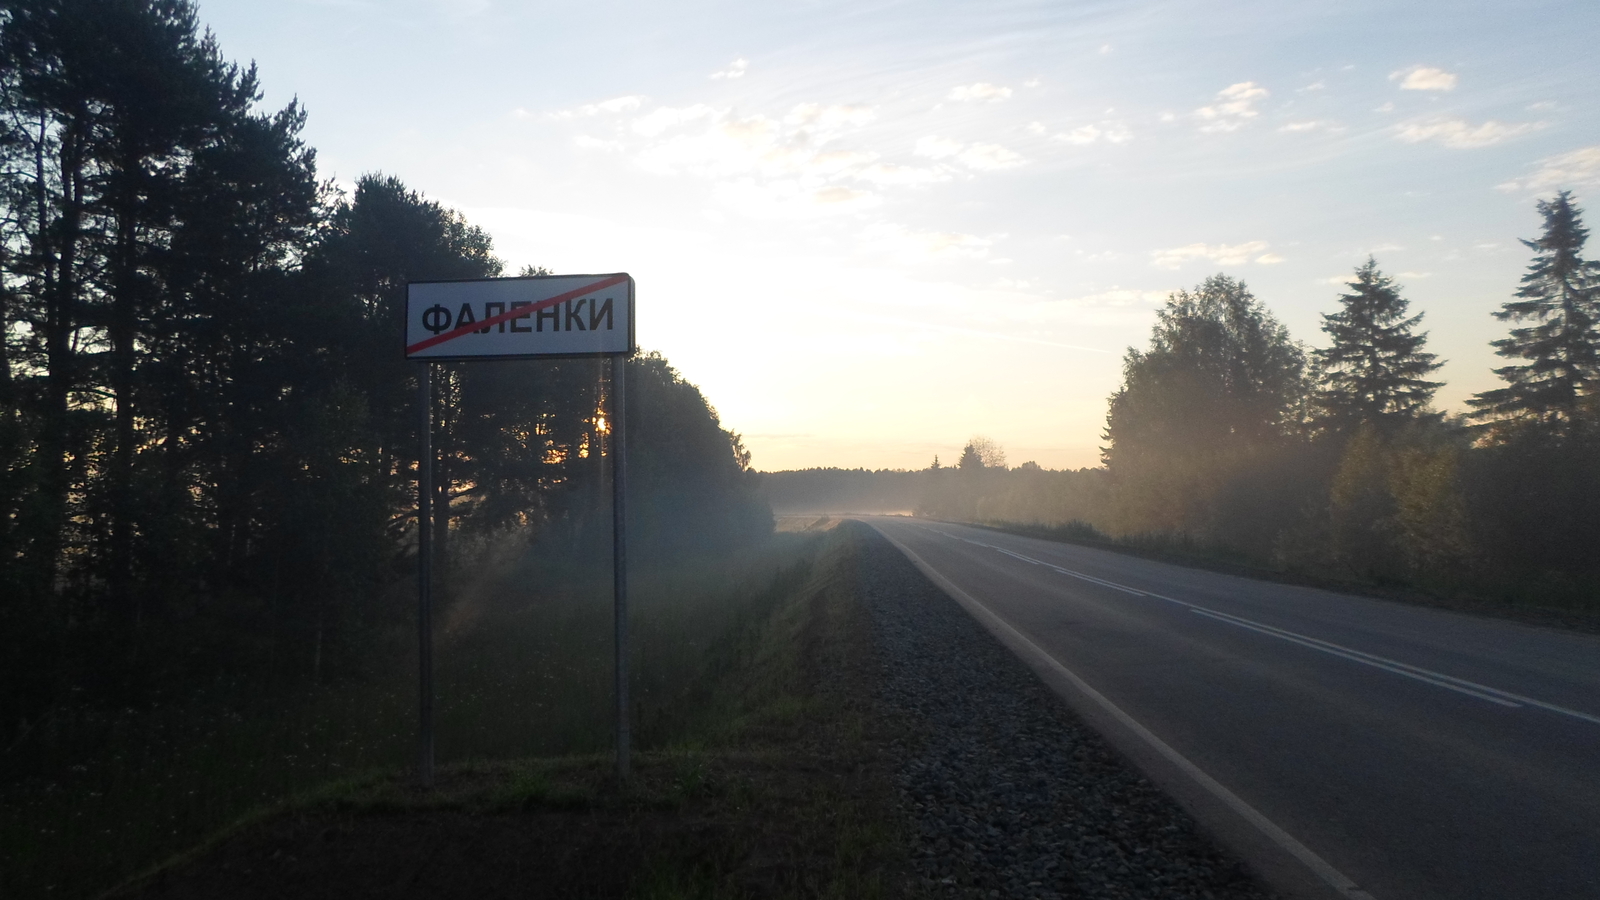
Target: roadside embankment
[(853, 734)]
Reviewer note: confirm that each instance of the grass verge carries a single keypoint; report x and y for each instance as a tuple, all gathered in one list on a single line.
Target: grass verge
[(760, 776)]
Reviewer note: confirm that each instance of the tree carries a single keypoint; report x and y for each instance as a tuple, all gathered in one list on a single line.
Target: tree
[(1560, 296), (1196, 428), (982, 453), (1376, 370), (1220, 370)]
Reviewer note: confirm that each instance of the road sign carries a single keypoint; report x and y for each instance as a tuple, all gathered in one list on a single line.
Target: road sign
[(543, 315), (519, 318)]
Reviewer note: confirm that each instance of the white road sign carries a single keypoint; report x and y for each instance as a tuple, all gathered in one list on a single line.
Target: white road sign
[(545, 315)]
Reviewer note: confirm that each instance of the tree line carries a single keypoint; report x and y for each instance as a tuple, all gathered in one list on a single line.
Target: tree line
[(1228, 432), (207, 429)]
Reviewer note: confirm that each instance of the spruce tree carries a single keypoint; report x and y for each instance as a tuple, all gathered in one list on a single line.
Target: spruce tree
[(1560, 296), (1376, 371)]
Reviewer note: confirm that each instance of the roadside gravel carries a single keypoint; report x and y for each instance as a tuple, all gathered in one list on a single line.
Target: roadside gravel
[(1008, 794)]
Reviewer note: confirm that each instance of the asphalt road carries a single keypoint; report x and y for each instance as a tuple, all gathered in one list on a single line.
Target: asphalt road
[(1346, 746)]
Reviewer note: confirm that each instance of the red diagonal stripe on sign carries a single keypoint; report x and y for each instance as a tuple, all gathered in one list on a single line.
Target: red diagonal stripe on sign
[(517, 313)]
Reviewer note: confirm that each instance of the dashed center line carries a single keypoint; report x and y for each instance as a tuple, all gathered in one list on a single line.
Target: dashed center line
[(1416, 673)]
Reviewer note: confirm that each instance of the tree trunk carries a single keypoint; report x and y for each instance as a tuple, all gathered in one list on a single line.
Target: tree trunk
[(123, 326)]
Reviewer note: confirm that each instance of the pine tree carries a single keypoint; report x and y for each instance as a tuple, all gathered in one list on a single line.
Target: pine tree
[(1560, 294), (1376, 371)]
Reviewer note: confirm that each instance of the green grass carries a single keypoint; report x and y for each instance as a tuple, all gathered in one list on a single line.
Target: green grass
[(524, 670)]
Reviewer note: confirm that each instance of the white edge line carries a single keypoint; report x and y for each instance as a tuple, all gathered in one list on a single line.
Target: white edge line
[(1333, 877)]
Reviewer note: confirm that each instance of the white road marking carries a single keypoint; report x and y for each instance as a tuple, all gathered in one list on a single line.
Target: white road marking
[(1416, 673), (1339, 881)]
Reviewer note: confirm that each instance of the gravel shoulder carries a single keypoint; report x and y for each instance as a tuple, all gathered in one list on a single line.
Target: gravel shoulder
[(1007, 793)]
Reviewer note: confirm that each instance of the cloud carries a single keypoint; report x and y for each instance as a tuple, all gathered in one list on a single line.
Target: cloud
[(1414, 276), (905, 244), (982, 92), (987, 157), (1234, 106), (1222, 254), (735, 69), (935, 147), (1424, 78), (892, 174), (715, 143), (1459, 134), (1111, 132), (1120, 297), (789, 198), (667, 117), (984, 157), (594, 143), (1573, 168), (1311, 125), (614, 106), (825, 122)]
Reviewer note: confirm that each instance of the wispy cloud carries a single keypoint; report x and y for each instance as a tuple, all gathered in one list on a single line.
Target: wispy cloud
[(1234, 106), (735, 69), (1222, 254), (1424, 78), (1119, 297), (911, 245), (799, 163), (1111, 132), (1309, 125), (1460, 134), (1574, 168), (593, 143), (982, 92), (614, 106), (980, 156), (665, 117)]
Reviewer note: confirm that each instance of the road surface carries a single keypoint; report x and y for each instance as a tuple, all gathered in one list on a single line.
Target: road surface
[(1346, 746)]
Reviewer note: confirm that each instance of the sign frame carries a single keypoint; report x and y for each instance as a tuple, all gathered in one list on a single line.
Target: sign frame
[(599, 281), (616, 442)]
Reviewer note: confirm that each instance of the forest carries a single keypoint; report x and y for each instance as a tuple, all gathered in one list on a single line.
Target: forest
[(1230, 438), (208, 433)]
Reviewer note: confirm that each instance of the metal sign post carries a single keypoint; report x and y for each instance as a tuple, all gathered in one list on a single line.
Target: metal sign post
[(619, 550), (545, 316), (425, 575)]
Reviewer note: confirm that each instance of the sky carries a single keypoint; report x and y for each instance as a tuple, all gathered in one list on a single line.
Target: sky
[(871, 230)]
